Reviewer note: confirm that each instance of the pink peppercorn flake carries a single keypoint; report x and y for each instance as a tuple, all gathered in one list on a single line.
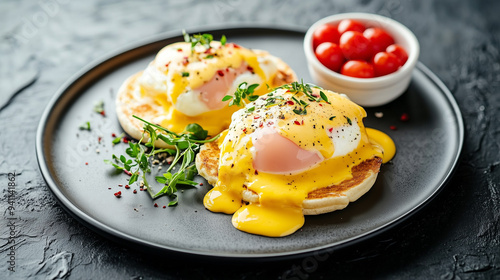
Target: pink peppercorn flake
[(135, 191), (127, 187), (404, 117), (118, 194), (156, 205)]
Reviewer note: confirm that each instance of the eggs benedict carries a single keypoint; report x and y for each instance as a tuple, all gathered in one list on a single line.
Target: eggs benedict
[(298, 150), (187, 81)]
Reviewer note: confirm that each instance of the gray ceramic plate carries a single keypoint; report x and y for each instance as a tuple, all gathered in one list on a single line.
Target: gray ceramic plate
[(428, 145)]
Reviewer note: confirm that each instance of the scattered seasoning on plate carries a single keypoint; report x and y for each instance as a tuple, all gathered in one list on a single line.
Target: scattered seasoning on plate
[(155, 205), (127, 187), (118, 194), (85, 126), (99, 108), (404, 117), (393, 127), (135, 191)]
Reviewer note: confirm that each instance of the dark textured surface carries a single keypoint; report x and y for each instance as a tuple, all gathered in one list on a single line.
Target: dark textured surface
[(43, 43)]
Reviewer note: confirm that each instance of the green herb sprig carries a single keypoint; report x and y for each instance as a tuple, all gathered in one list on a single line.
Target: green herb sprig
[(202, 39), (99, 107), (85, 126), (306, 89), (243, 91), (185, 146)]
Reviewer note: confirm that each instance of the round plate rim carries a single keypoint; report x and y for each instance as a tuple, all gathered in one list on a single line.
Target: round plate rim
[(107, 231)]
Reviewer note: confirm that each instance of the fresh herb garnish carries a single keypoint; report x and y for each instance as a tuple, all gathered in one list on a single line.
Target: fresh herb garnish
[(185, 146), (185, 74), (296, 88), (118, 139), (348, 120), (243, 91), (85, 126), (324, 97), (274, 100), (332, 117), (99, 107), (202, 39)]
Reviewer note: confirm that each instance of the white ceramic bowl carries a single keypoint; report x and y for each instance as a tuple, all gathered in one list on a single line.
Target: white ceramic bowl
[(366, 91)]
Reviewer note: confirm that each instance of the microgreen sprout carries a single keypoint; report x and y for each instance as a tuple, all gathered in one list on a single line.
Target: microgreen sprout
[(243, 91), (183, 147)]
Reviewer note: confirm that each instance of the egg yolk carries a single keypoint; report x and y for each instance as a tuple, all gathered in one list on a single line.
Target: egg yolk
[(208, 75), (278, 157)]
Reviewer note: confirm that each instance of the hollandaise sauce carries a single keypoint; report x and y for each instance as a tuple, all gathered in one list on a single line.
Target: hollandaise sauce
[(190, 83), (307, 152)]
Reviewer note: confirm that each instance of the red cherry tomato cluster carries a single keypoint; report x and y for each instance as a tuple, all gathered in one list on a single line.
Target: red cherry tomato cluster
[(354, 50)]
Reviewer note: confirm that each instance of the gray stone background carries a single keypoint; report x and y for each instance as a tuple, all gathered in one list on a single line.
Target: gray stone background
[(42, 43)]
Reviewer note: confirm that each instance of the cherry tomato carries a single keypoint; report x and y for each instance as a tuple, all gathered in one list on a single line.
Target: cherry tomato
[(358, 69), (398, 51), (330, 55), (325, 33), (350, 25), (385, 63), (379, 38), (355, 46)]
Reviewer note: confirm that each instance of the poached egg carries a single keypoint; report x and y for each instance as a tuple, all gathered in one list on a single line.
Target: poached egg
[(189, 83), (283, 146)]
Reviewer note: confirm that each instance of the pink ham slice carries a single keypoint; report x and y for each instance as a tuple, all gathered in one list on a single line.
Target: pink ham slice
[(212, 92), (277, 154)]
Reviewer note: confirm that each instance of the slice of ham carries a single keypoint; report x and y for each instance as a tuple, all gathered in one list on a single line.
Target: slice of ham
[(212, 92), (276, 154)]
